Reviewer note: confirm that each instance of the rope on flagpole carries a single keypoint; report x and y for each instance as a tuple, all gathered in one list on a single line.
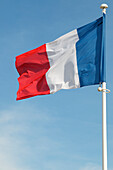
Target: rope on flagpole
[(100, 89)]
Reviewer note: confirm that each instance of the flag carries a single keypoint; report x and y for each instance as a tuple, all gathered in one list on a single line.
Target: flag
[(69, 62)]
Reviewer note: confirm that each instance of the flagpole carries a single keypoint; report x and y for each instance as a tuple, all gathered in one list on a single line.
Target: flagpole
[(104, 91)]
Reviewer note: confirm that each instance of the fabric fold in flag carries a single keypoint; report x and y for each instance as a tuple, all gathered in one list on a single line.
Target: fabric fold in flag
[(69, 62)]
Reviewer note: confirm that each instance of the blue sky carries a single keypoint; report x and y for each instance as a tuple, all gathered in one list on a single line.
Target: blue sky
[(54, 132)]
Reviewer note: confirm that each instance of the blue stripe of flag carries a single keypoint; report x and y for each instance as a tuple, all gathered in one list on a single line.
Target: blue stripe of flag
[(88, 50)]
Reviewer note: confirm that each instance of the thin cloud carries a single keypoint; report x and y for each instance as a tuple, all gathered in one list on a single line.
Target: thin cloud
[(25, 142), (28, 141)]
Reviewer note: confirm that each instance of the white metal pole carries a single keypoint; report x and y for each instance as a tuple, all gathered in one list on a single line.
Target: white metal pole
[(104, 123), (104, 128)]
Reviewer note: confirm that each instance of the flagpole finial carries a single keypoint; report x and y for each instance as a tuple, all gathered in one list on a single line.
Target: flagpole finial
[(103, 7)]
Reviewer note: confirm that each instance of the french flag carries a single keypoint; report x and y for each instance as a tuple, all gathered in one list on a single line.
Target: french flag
[(69, 62)]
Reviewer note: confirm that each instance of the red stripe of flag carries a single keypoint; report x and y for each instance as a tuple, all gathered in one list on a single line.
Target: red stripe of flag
[(32, 67)]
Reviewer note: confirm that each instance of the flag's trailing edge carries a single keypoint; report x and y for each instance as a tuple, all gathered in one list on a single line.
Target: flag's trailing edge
[(71, 61)]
